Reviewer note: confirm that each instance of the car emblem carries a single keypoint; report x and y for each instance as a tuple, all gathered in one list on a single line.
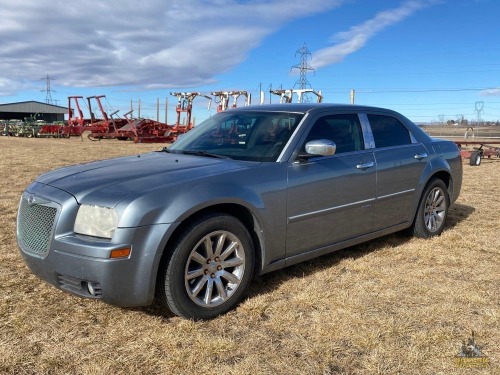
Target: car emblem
[(31, 199)]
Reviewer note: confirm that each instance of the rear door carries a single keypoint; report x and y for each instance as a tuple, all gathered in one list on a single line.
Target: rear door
[(400, 164), (330, 198)]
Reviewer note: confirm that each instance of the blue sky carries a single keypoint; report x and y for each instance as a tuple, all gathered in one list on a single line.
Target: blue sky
[(432, 60)]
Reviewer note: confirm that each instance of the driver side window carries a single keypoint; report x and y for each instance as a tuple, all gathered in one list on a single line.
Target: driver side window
[(344, 130)]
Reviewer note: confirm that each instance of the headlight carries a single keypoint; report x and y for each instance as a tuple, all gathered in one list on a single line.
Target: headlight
[(96, 221)]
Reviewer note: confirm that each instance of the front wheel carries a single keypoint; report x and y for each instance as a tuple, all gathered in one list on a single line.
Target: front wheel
[(432, 210), (209, 269)]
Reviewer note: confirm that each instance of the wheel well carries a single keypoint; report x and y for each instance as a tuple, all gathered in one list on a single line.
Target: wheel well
[(242, 213), (446, 178)]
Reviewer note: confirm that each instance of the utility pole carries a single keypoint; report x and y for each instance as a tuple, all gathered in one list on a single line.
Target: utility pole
[(157, 109), (166, 107)]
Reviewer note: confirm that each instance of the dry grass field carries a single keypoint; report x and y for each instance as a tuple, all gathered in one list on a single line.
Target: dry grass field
[(396, 305)]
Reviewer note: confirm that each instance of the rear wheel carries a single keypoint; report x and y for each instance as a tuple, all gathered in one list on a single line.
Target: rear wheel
[(432, 210), (475, 158), (209, 269)]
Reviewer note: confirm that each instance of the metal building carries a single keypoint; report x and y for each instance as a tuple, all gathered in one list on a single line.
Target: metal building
[(36, 110)]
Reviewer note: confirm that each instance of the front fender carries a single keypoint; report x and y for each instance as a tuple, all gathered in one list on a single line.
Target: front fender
[(260, 190)]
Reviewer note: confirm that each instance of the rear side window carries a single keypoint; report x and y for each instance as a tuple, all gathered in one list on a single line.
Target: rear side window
[(388, 131)]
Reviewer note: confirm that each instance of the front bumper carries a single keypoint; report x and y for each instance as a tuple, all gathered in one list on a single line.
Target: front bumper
[(73, 262)]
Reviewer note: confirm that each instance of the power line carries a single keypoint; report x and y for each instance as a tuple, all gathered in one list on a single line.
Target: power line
[(378, 91)]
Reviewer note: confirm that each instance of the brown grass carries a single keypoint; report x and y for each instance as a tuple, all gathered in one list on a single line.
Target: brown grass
[(462, 133), (393, 305)]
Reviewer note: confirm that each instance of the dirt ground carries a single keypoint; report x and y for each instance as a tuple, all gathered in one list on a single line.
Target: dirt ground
[(395, 305)]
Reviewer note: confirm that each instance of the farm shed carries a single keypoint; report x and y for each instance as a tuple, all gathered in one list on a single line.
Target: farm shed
[(41, 111)]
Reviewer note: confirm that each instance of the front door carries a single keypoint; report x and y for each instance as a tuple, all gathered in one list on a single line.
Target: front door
[(330, 198)]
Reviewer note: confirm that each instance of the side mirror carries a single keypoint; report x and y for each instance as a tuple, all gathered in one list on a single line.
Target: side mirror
[(322, 147)]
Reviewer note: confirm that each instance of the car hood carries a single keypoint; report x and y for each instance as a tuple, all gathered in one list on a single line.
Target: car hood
[(108, 182)]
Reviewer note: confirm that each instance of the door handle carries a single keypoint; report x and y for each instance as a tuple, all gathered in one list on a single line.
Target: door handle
[(420, 156), (365, 165)]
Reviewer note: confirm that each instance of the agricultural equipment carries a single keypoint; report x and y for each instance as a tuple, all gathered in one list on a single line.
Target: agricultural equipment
[(75, 126), (184, 105), (477, 153), (11, 127), (76, 120), (18, 128), (287, 95), (481, 148), (141, 130), (50, 130), (107, 126), (223, 99)]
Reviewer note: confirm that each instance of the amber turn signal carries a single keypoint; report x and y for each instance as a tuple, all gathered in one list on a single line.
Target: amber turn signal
[(120, 253)]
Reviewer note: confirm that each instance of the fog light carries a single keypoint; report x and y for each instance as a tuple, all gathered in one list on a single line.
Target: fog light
[(89, 287)]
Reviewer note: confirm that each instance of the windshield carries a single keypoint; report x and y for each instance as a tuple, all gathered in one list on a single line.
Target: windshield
[(248, 135)]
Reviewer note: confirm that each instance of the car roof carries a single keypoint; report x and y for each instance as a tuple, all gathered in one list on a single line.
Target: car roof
[(306, 107)]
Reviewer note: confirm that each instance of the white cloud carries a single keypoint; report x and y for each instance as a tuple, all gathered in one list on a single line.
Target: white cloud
[(157, 43), (490, 92), (357, 37)]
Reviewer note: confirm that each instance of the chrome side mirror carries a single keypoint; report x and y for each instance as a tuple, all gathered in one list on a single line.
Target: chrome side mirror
[(322, 147)]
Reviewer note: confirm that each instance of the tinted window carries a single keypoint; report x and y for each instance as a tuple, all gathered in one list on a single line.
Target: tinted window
[(249, 135), (388, 131), (344, 130)]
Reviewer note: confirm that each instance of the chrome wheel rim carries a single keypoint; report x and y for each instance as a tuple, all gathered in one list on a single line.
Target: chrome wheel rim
[(214, 269), (435, 210)]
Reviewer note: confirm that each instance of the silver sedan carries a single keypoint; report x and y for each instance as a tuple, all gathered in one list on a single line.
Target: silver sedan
[(248, 191)]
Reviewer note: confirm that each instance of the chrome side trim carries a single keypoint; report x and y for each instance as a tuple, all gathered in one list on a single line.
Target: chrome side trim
[(308, 215), (395, 194)]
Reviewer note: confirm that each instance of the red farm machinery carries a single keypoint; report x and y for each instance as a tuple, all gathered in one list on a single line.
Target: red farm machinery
[(480, 150), (222, 98), (185, 105), (127, 127), (286, 96), (108, 126)]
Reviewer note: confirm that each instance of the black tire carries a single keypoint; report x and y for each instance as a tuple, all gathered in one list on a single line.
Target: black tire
[(475, 158), (432, 212), (209, 268)]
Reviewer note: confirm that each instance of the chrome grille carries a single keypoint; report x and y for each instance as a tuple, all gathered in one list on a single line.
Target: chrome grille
[(35, 223)]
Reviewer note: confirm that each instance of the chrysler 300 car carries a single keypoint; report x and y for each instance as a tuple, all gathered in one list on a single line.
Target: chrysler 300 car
[(248, 191)]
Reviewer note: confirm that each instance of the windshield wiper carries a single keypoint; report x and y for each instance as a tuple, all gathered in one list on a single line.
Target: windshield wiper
[(204, 153)]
